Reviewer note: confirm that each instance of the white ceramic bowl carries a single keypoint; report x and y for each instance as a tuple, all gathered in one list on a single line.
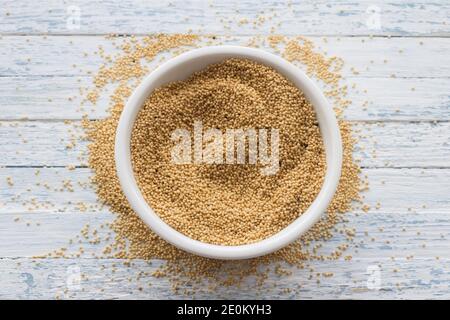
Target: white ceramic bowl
[(179, 68)]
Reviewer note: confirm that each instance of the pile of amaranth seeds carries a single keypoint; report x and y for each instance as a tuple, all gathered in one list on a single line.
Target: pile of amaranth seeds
[(189, 273), (217, 202)]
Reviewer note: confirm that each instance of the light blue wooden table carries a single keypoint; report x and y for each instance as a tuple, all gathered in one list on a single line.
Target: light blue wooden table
[(402, 249)]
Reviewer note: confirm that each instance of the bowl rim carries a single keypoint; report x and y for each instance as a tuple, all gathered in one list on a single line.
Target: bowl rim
[(330, 135)]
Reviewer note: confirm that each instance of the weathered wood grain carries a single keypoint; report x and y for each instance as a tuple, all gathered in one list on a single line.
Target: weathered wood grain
[(54, 143), (65, 55), (225, 17), (385, 234), (412, 218), (382, 144), (109, 279), (402, 191), (57, 98)]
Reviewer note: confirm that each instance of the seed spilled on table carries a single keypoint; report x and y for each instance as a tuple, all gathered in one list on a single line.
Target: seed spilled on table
[(134, 240)]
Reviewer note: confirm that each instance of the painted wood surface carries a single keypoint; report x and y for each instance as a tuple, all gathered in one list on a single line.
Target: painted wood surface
[(48, 56), (46, 186), (56, 216), (403, 73), (49, 278), (225, 17), (402, 99), (382, 144)]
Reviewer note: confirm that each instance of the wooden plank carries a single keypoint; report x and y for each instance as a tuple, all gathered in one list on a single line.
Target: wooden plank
[(225, 17), (412, 211), (45, 98), (37, 55), (49, 143), (59, 190), (51, 55), (47, 190), (411, 99), (378, 234), (390, 144), (58, 278)]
